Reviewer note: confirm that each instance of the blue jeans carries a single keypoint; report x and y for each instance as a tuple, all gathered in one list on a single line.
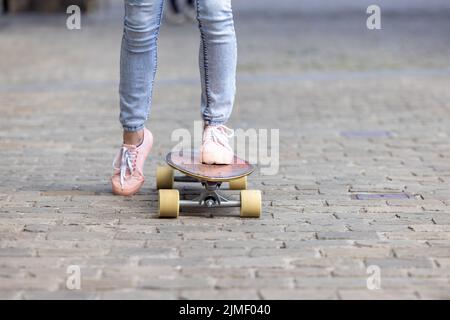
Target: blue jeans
[(138, 62)]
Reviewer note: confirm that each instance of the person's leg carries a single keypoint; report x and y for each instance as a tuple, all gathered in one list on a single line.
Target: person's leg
[(137, 72), (138, 61), (217, 61)]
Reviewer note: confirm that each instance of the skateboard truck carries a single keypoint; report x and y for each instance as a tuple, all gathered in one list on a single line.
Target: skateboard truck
[(210, 197)]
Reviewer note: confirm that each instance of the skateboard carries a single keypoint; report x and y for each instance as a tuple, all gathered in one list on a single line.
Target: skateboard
[(212, 178)]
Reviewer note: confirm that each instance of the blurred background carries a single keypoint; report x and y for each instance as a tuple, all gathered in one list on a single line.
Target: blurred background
[(304, 35), (289, 37)]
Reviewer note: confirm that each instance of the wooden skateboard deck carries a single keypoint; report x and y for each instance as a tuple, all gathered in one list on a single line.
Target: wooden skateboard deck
[(188, 162)]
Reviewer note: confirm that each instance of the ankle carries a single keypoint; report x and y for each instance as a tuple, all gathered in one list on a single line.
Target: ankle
[(133, 137)]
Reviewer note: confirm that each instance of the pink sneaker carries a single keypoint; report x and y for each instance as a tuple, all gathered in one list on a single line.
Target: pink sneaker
[(216, 148), (128, 176)]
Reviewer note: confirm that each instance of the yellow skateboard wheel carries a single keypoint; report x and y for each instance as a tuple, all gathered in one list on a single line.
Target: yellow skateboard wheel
[(238, 184), (164, 177), (169, 203), (251, 203)]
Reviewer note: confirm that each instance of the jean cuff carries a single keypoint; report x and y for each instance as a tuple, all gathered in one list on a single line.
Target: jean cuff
[(217, 122), (133, 128)]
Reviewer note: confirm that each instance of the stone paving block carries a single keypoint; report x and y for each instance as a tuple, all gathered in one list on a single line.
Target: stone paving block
[(78, 236), (134, 294), (222, 294), (15, 252), (356, 252), (30, 284), (130, 235), (353, 235), (177, 262), (431, 227), (10, 295), (107, 245), (443, 262), (409, 219), (434, 293), (69, 252), (427, 273), (154, 252), (217, 272), (434, 252), (277, 282), (299, 294), (175, 283), (392, 209), (215, 252), (252, 262), (380, 227), (443, 219), (30, 262), (400, 263), (438, 243), (382, 294), (92, 262), (333, 282), (63, 294), (338, 227), (317, 243), (180, 243), (102, 284), (273, 228), (132, 273), (297, 272), (242, 236), (290, 253), (37, 228), (285, 236), (250, 243), (416, 235), (363, 272), (298, 203), (417, 283), (345, 262)]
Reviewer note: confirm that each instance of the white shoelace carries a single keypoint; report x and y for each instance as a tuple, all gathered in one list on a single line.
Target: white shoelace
[(127, 159), (219, 134)]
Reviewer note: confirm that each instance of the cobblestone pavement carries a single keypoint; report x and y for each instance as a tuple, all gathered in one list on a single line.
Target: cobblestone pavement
[(364, 121)]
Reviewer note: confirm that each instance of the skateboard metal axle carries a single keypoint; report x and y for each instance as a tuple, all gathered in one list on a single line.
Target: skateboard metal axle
[(209, 197), (196, 204)]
